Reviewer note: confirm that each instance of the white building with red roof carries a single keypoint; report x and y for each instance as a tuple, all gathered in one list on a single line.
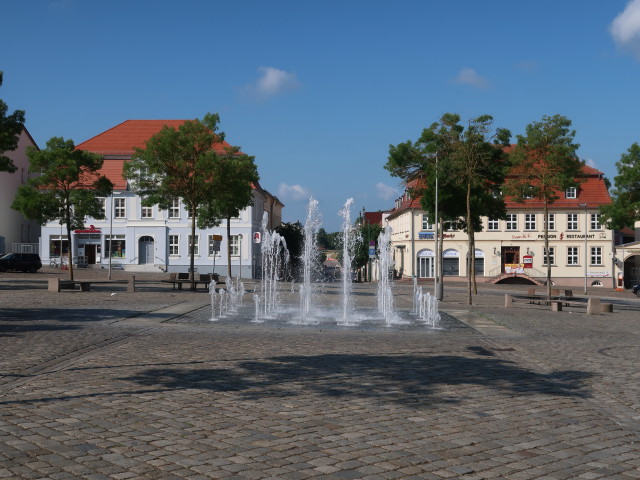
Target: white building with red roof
[(512, 250), (17, 234), (139, 238)]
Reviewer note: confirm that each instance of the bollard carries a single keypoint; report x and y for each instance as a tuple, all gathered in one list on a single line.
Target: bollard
[(132, 284), (593, 306), (556, 306), (54, 284), (508, 302)]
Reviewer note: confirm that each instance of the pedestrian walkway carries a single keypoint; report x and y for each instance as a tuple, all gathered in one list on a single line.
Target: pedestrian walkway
[(117, 385)]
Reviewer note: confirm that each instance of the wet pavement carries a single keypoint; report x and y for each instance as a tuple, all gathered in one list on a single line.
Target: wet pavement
[(111, 384)]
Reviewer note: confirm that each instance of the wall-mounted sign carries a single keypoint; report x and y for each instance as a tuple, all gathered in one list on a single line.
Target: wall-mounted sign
[(527, 261), (426, 235), (257, 237)]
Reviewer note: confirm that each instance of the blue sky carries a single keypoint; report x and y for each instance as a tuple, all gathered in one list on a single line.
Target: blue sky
[(317, 91)]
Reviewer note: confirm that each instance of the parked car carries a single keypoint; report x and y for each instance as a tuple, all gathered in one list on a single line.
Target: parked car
[(636, 289), (26, 262)]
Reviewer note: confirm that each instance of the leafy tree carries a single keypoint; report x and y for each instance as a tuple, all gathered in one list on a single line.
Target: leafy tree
[(186, 163), (233, 178), (625, 208), (66, 189), (478, 165), (545, 163), (10, 128), (366, 232)]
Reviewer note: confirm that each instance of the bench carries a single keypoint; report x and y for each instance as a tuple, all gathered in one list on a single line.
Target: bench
[(177, 280), (593, 304), (56, 285)]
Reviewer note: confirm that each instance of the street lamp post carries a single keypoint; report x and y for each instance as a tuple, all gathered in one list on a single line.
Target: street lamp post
[(586, 253), (109, 252), (240, 255)]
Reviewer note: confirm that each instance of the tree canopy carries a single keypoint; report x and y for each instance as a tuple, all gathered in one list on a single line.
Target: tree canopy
[(545, 163), (193, 164), (67, 187), (10, 127), (625, 208)]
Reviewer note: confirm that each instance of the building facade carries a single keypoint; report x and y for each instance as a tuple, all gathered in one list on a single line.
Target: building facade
[(581, 250), (17, 234), (138, 238)]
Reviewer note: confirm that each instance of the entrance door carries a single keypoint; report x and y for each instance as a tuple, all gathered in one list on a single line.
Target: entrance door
[(146, 250), (510, 256), (90, 254), (425, 267)]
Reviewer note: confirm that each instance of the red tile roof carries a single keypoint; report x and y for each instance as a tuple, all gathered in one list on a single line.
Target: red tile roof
[(120, 142), (123, 138)]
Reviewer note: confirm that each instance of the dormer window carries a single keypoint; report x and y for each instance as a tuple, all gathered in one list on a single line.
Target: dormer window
[(571, 192)]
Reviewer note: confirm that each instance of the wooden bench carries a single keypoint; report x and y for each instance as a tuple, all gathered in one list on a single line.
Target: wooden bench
[(177, 280), (56, 285)]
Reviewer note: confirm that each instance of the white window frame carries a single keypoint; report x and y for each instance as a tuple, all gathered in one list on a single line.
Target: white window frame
[(512, 222), (425, 222), (234, 245), (596, 256), (530, 221), (119, 207), (571, 192), (552, 256), (493, 225), (594, 222), (573, 256), (572, 222), (146, 212), (174, 245), (174, 209), (196, 244), (551, 221)]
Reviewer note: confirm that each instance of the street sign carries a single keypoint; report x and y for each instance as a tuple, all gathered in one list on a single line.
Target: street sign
[(372, 252), (215, 242)]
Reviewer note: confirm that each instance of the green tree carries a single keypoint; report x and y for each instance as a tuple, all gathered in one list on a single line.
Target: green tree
[(10, 128), (366, 233), (478, 165), (544, 164), (625, 208), (233, 178), (66, 189)]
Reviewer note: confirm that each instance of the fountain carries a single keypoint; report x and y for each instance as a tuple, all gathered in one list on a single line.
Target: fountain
[(272, 297), (309, 258), (348, 243)]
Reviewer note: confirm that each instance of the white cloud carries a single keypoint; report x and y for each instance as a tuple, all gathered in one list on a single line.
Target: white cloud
[(295, 192), (470, 77), (272, 82), (625, 28), (590, 162), (385, 191)]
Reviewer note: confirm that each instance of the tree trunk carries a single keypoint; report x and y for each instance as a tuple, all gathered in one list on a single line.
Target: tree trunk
[(229, 247), (546, 246), (192, 273), (70, 262), (470, 257)]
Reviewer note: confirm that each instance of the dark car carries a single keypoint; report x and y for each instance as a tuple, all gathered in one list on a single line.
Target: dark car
[(26, 262)]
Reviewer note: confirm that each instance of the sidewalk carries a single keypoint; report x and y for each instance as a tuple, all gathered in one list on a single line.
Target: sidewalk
[(112, 384)]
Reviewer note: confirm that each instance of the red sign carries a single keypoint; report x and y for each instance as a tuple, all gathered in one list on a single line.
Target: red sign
[(91, 229), (527, 261)]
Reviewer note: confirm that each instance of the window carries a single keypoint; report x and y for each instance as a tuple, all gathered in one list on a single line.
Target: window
[(571, 192), (196, 241), (174, 247), (596, 255), (551, 257), (146, 212), (572, 221), (551, 221), (493, 225), (103, 206), (115, 244), (119, 207), (234, 245), (54, 245), (174, 209), (572, 256), (530, 221), (512, 221), (425, 223), (595, 221)]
